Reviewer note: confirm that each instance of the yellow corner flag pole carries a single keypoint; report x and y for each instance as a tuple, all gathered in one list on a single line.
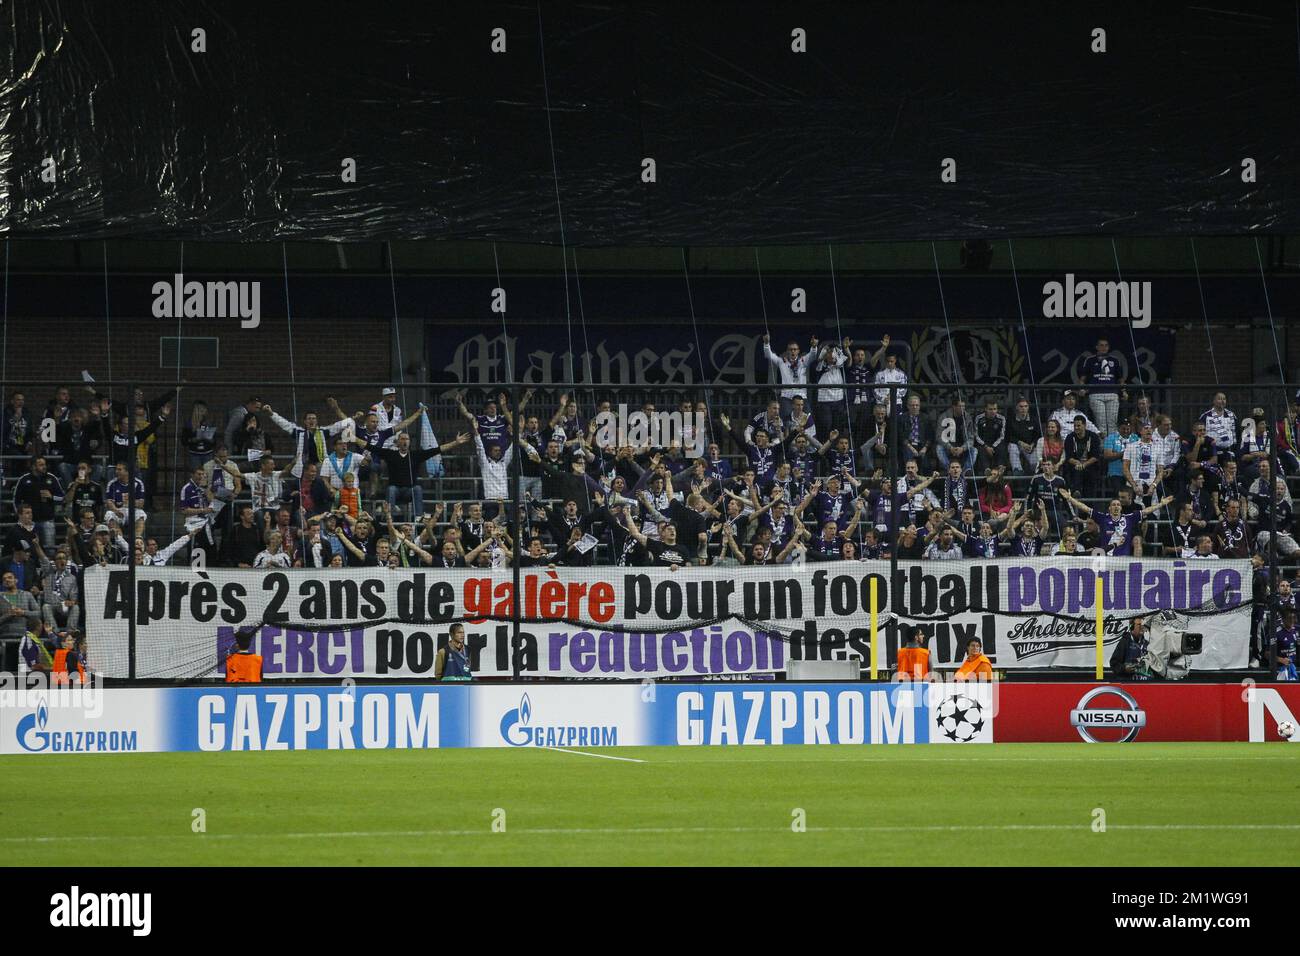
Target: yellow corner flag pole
[(875, 644), (1100, 670)]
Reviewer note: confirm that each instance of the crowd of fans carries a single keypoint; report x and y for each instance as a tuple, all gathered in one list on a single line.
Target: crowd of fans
[(829, 469)]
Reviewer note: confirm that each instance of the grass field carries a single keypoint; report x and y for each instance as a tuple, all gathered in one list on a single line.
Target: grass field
[(1031, 804)]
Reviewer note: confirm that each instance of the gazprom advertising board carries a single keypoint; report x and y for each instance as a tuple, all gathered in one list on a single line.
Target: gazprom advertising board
[(503, 715)]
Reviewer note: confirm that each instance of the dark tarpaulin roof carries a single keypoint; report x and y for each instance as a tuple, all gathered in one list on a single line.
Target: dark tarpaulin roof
[(753, 143)]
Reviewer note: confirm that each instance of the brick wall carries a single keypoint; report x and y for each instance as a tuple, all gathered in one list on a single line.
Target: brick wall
[(337, 349), (40, 353), (1232, 354), (1236, 352)]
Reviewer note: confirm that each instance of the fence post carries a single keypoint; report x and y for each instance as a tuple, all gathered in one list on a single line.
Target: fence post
[(129, 530), (516, 526), (1274, 473), (894, 504)]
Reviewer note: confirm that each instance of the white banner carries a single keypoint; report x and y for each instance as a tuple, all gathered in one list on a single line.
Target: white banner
[(635, 623), (80, 719)]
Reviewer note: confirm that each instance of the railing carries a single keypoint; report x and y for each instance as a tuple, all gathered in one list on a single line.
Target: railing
[(463, 480)]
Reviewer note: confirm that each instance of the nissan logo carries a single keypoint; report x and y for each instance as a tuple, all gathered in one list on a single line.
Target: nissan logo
[(1130, 720)]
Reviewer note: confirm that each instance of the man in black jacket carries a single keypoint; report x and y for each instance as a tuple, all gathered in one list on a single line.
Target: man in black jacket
[(562, 519), (61, 406), (17, 431), (42, 491), (124, 443), (991, 438), (244, 540), (74, 443), (578, 486), (309, 495), (404, 472), (915, 435), (1126, 659), (876, 439), (536, 556), (691, 520), (1045, 492), (568, 527), (1023, 432), (118, 409), (1082, 456), (1281, 504)]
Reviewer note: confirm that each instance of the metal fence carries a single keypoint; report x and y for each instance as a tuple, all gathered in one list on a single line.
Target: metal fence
[(712, 422)]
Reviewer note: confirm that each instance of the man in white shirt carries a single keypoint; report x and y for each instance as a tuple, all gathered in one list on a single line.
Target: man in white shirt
[(388, 413), (1066, 414), (222, 481), (268, 487), (311, 443), (154, 558), (792, 370), (1141, 464), (828, 404), (1221, 424), (799, 420), (494, 465), (891, 374), (769, 421), (340, 462), (1169, 444), (1260, 487), (275, 555), (920, 498), (196, 505), (944, 548), (657, 496)]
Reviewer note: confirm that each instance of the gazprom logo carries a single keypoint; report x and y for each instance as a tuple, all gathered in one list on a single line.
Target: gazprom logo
[(514, 725), (34, 738), (518, 731), (34, 722)]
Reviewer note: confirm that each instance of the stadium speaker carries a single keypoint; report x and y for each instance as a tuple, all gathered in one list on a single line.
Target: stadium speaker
[(824, 670)]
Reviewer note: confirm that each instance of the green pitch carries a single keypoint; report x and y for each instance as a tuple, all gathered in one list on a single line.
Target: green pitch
[(1032, 804)]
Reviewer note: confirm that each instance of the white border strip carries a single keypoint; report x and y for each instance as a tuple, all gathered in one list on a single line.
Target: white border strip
[(584, 753)]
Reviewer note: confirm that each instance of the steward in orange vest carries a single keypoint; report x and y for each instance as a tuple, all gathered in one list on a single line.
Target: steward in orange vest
[(914, 658), (67, 659), (242, 665), (976, 666)]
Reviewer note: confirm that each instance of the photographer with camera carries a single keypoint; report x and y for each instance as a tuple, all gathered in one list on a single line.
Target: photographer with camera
[(1126, 659)]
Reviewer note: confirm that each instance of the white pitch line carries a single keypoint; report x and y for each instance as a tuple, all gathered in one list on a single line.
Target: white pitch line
[(651, 831), (585, 754), (968, 761)]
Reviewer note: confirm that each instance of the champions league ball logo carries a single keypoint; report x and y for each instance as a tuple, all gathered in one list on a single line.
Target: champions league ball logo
[(960, 718)]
